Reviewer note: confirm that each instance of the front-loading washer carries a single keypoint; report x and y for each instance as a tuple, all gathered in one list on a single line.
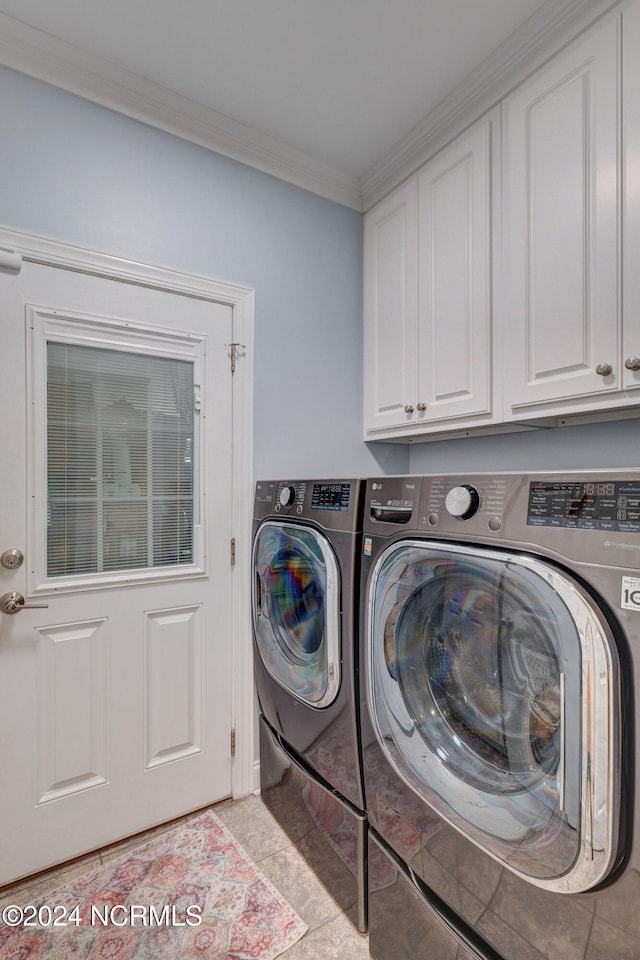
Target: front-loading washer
[(306, 554), (500, 637)]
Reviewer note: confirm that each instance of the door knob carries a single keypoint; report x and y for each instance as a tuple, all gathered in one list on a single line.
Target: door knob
[(13, 602), (632, 363), (604, 369), (409, 408)]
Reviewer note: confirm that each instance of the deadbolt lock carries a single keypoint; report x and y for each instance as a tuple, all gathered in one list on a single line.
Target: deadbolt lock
[(12, 559)]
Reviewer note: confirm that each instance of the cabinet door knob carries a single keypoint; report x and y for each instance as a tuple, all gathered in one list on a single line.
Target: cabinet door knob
[(604, 369), (409, 408), (632, 363), (421, 407)]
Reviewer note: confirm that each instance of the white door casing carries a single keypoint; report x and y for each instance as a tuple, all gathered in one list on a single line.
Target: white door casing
[(117, 701)]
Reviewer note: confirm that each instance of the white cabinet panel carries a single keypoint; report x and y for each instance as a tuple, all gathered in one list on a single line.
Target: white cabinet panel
[(390, 296), (454, 272), (561, 229)]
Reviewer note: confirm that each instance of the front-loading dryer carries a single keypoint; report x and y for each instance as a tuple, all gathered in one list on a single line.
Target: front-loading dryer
[(501, 629), (306, 553)]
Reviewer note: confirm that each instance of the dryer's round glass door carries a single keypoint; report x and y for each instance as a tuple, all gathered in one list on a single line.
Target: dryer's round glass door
[(296, 610), (492, 686)]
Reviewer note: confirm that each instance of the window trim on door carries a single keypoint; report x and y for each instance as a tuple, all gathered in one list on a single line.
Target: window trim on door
[(50, 325)]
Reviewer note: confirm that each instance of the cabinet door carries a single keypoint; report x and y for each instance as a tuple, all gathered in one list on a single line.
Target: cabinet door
[(631, 207), (390, 309), (454, 279), (561, 329)]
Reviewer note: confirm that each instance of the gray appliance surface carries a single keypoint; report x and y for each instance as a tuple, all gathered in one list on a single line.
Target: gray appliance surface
[(326, 830), (406, 924), (305, 606), (486, 599)]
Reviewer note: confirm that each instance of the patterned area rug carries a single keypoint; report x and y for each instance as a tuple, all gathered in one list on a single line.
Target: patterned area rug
[(188, 894)]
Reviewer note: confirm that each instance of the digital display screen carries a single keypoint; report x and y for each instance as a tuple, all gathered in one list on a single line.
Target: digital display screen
[(601, 505), (330, 496)]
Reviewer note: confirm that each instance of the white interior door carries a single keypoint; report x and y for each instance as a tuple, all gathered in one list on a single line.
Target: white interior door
[(115, 694)]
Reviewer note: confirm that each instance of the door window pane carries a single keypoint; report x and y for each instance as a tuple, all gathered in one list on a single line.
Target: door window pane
[(121, 448)]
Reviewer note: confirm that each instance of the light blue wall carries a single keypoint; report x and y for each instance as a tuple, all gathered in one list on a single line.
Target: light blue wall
[(82, 174), (592, 446), (85, 175)]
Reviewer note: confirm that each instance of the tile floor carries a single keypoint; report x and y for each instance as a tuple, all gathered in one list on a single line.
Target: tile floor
[(330, 935)]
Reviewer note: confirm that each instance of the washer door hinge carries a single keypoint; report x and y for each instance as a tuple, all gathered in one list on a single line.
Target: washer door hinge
[(233, 742), (233, 551)]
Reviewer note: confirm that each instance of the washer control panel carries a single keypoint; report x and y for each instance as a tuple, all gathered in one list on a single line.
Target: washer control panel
[(602, 505)]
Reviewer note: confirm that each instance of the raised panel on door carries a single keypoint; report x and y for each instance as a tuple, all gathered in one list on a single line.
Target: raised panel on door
[(631, 197), (560, 239), (390, 372), (454, 279)]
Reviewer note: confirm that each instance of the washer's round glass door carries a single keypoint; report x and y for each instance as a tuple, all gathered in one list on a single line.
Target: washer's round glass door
[(492, 687), (296, 610)]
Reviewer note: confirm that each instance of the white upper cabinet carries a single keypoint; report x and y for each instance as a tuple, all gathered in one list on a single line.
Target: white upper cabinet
[(502, 287), (428, 288), (562, 324)]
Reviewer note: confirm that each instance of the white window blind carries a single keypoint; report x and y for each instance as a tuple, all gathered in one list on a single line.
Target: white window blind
[(121, 446)]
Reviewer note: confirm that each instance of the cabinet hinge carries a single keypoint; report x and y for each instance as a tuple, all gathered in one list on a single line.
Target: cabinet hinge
[(233, 551), (233, 742)]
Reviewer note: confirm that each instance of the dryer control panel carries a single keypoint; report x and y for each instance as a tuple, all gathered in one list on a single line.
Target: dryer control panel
[(330, 496), (333, 504), (603, 505)]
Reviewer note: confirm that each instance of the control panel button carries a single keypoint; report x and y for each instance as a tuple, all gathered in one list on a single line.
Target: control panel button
[(462, 501), (287, 496)]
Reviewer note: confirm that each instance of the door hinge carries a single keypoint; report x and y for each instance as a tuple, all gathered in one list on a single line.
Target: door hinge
[(233, 742), (234, 347), (233, 551)]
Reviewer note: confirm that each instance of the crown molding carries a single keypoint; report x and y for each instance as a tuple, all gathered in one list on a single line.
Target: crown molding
[(541, 37), (33, 52), (38, 54)]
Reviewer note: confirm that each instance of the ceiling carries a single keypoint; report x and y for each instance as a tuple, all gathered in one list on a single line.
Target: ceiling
[(339, 82)]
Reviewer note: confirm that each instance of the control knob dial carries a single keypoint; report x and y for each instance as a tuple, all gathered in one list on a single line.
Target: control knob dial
[(462, 501), (287, 496)]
